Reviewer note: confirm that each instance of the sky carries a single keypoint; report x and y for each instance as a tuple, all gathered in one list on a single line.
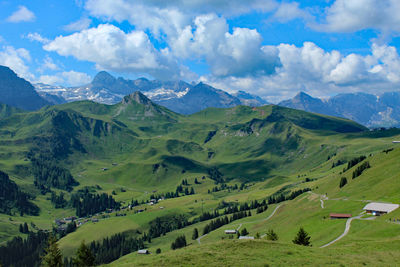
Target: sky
[(270, 48)]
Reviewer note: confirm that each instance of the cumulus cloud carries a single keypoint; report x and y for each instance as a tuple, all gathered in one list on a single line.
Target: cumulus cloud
[(126, 10), (36, 37), (355, 15), (321, 73), (78, 25), (66, 78), (16, 60), (48, 64), (290, 11), (112, 49), (22, 14), (239, 53)]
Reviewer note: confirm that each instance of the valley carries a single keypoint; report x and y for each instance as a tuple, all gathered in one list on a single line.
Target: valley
[(208, 162)]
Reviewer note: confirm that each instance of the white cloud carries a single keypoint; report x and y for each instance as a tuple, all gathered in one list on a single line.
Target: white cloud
[(126, 10), (74, 78), (48, 64), (355, 15), (66, 78), (37, 37), (16, 60), (239, 53), (290, 11), (78, 25), (51, 79), (22, 14), (310, 68), (112, 49)]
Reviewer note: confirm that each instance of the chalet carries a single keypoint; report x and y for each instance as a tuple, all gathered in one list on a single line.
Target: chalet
[(104, 169), (95, 220), (378, 209), (246, 237), (230, 232), (340, 215), (395, 142), (143, 251)]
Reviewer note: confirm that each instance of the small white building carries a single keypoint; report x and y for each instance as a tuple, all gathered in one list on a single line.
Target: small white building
[(230, 232), (143, 251), (378, 209), (246, 237)]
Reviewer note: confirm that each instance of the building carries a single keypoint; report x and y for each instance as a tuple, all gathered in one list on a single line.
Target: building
[(230, 232), (246, 237), (340, 215), (378, 209), (143, 251)]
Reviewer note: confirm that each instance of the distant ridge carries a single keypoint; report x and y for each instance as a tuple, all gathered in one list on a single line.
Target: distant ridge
[(367, 109), (17, 92)]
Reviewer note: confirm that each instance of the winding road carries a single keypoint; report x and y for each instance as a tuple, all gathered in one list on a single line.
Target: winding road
[(347, 228)]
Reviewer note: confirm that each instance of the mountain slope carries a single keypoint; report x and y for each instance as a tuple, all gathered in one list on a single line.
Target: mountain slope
[(17, 92)]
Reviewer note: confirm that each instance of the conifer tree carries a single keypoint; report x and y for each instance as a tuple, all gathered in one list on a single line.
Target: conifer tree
[(84, 256), (271, 235), (195, 234), (53, 257), (302, 238)]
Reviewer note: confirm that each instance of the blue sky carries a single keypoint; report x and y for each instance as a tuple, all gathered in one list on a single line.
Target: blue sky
[(270, 48)]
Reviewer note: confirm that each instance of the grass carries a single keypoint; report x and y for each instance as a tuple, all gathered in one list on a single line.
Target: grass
[(267, 147)]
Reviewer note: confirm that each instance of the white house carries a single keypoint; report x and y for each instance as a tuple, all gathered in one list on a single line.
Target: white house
[(378, 209), (230, 232), (143, 251)]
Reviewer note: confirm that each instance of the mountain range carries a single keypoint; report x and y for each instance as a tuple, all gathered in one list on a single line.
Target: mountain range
[(178, 96), (369, 110), (188, 98)]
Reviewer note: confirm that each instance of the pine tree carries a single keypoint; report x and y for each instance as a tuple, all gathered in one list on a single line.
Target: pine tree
[(271, 235), (26, 229), (343, 182), (195, 234), (53, 257), (21, 228), (244, 232), (158, 251), (302, 238), (84, 256)]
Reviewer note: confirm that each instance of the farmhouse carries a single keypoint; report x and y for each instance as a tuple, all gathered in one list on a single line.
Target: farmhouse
[(339, 215), (230, 232), (378, 209), (143, 251)]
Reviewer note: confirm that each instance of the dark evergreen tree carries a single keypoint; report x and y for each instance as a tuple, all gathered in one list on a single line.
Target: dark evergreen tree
[(26, 229), (158, 251), (53, 256), (195, 234), (302, 238), (179, 242), (271, 235), (343, 182), (244, 232), (84, 257)]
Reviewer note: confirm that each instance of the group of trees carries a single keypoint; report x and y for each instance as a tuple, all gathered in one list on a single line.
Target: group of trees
[(217, 223), (53, 256), (23, 228), (359, 170), (114, 247), (48, 173), (354, 162), (179, 242), (13, 199), (282, 197), (338, 163), (58, 200), (24, 252), (89, 204), (162, 225)]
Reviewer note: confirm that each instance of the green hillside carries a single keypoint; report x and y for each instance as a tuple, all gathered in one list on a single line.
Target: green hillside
[(226, 157)]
